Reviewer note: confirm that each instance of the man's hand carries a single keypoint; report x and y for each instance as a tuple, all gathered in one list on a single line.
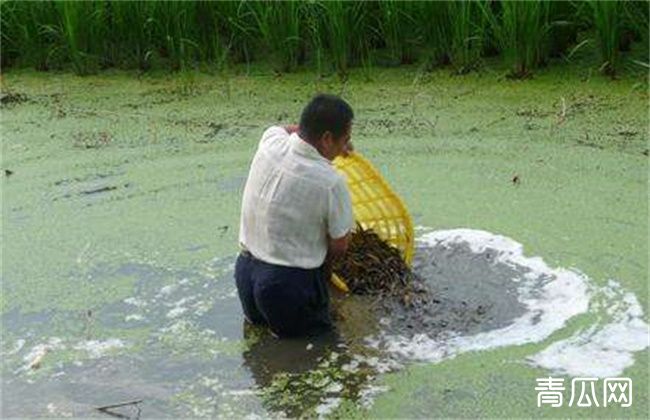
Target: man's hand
[(347, 149), (293, 128)]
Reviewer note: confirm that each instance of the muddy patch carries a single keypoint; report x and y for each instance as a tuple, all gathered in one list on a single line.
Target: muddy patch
[(467, 292)]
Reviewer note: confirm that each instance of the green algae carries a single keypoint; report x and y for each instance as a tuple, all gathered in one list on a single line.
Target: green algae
[(450, 146), (186, 340)]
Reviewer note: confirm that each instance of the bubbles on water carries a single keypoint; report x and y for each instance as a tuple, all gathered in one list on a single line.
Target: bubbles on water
[(606, 348)]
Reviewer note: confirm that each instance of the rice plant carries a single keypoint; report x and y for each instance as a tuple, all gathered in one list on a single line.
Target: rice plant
[(564, 27), (396, 29), (607, 21), (331, 34), (637, 19), (175, 32), (343, 26), (80, 29), (521, 30), (433, 20), (132, 37), (236, 34), (314, 39), (280, 25), (215, 45), (466, 35), (25, 39)]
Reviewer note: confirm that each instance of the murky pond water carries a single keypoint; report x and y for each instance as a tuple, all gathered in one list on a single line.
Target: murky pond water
[(119, 239)]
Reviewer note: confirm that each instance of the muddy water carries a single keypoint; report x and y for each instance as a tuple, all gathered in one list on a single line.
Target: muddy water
[(119, 236), (199, 358)]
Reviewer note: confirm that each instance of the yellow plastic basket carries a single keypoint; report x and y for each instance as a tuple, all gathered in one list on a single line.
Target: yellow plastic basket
[(375, 206)]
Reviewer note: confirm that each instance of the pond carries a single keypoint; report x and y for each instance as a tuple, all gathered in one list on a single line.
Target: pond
[(121, 200)]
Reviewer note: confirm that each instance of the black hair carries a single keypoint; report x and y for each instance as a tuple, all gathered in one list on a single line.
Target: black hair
[(325, 113)]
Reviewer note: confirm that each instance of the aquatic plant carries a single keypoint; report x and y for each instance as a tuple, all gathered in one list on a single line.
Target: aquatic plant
[(372, 266)]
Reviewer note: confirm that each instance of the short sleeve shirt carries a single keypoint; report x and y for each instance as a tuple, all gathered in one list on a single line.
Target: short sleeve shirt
[(293, 199)]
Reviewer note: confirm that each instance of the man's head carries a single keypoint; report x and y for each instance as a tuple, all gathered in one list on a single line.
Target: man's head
[(326, 123)]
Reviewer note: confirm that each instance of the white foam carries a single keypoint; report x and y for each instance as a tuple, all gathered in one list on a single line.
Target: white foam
[(35, 356), (605, 349), (176, 312), (167, 290), (368, 394), (18, 345), (551, 296), (327, 406), (135, 302), (97, 348)]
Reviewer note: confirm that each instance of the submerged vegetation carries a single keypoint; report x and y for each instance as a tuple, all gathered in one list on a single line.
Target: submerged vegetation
[(373, 267), (327, 35)]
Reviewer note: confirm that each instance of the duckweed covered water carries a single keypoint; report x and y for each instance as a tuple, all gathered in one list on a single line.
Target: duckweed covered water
[(120, 219)]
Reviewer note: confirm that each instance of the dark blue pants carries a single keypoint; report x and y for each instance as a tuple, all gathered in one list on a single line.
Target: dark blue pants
[(292, 301)]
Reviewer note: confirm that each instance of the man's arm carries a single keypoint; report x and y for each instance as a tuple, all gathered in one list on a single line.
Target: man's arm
[(338, 247), (340, 219)]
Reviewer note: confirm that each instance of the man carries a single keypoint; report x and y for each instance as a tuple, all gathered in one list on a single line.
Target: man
[(296, 214)]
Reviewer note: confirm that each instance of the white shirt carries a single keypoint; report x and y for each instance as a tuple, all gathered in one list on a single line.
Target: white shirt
[(293, 199)]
